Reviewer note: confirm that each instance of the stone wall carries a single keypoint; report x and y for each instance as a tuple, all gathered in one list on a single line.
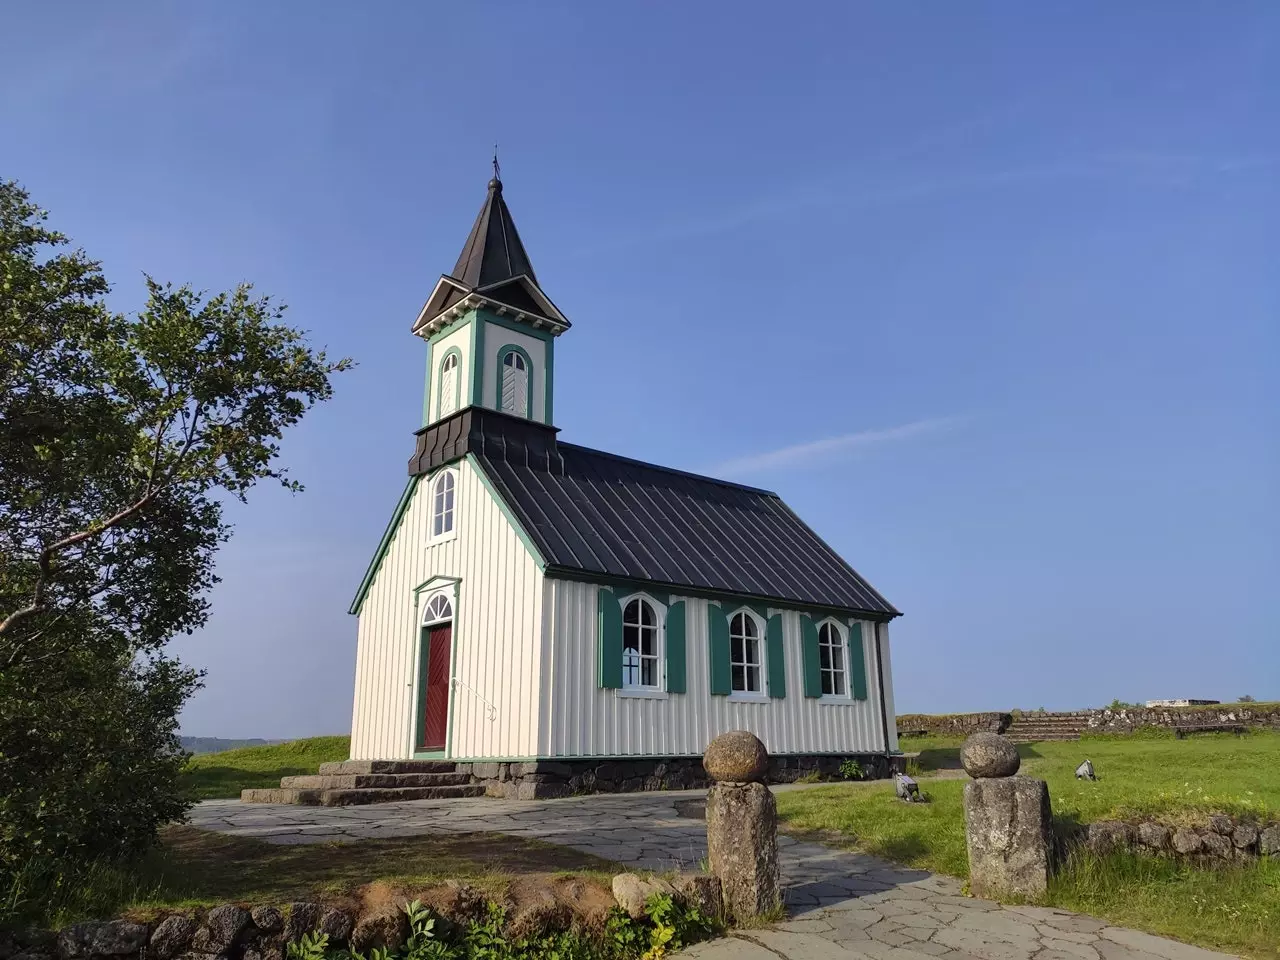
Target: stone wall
[(953, 724), (545, 779), (1220, 841)]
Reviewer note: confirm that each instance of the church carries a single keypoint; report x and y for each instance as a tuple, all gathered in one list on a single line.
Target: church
[(540, 602)]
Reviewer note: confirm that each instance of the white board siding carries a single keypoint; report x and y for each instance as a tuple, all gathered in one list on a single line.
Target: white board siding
[(496, 634), (580, 719), (495, 338)]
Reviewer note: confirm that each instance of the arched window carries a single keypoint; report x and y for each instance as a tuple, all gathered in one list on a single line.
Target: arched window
[(831, 660), (448, 384), (640, 656), (437, 610), (442, 505), (746, 654), (514, 397)]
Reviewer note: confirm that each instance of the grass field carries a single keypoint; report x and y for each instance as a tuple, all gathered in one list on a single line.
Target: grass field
[(1237, 910), (225, 774)]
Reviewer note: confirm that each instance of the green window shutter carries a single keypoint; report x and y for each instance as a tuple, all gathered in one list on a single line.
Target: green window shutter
[(608, 640), (857, 663), (718, 650), (675, 648), (777, 658), (812, 664)]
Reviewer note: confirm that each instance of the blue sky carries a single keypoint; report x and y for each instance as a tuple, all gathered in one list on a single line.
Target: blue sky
[(988, 292)]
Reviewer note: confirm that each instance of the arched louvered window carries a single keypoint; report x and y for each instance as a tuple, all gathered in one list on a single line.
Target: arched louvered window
[(437, 610), (448, 384), (514, 397), (442, 493)]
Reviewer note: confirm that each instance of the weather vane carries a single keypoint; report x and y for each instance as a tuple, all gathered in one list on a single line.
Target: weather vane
[(497, 171)]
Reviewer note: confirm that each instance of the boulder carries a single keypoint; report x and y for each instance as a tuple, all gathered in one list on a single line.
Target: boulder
[(526, 790), (1186, 841), (267, 919), (1244, 836), (701, 891), (115, 938), (1269, 841), (1154, 836), (303, 918), (263, 951), (742, 846), (988, 755), (222, 927), (632, 892), (1217, 846), (336, 925), (1107, 835), (386, 928), (172, 937), (736, 757), (1008, 835), (1221, 825)]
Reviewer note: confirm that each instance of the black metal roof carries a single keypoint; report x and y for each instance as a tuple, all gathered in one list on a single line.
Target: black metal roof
[(604, 516), (493, 251)]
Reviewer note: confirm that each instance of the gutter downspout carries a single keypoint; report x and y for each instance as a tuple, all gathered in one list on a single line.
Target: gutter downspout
[(884, 716)]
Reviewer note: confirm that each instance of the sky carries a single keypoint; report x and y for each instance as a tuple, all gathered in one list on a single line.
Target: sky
[(988, 292)]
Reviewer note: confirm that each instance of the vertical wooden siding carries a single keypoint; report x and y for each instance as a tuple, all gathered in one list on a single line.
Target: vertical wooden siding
[(497, 632), (581, 719)]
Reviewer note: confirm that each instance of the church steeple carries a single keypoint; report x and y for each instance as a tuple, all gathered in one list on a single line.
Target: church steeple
[(490, 327)]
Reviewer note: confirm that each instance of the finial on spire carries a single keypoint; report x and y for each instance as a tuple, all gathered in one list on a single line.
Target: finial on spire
[(497, 170)]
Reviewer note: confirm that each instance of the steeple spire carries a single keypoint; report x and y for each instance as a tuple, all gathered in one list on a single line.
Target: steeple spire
[(493, 251)]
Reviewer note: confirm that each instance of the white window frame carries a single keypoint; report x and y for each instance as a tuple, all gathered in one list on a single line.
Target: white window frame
[(445, 595), (449, 397), (753, 696), (656, 691), (841, 645), (432, 494), (520, 391)]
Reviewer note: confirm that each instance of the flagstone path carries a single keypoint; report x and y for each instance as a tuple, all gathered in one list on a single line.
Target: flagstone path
[(842, 905)]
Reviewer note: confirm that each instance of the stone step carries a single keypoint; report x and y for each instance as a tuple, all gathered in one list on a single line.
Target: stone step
[(355, 781), (359, 767), (344, 798)]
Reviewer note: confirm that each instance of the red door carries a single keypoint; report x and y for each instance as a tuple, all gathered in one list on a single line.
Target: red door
[(435, 713)]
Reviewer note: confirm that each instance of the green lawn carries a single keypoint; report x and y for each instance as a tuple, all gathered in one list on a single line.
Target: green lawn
[(225, 774), (1235, 910)]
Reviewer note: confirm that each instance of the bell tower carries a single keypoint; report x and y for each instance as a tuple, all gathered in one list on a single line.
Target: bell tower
[(490, 330)]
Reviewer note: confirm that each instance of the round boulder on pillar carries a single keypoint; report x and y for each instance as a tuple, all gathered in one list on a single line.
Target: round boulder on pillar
[(989, 755), (742, 825), (736, 757)]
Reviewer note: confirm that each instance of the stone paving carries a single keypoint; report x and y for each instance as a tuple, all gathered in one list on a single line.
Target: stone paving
[(840, 904)]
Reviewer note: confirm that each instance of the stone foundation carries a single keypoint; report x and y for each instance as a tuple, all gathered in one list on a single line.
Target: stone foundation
[(547, 779), (1221, 841)]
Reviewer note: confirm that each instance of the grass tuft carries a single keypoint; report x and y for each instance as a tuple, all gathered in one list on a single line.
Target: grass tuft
[(218, 775)]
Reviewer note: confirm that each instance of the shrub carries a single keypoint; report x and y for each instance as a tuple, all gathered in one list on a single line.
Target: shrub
[(851, 769)]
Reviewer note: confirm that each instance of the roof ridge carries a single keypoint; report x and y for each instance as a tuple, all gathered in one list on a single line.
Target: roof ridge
[(680, 473)]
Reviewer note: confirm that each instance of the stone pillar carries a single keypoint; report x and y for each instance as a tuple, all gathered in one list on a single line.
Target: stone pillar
[(1007, 822), (742, 825)]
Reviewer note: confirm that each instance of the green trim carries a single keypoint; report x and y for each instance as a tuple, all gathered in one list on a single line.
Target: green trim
[(626, 593), (503, 350), (429, 755), (608, 640), (857, 662), (452, 328), (477, 360), (457, 382), (506, 512), (777, 662), (420, 708), (548, 382), (383, 545), (527, 329), (720, 681), (453, 667), (676, 648), (435, 583), (426, 390), (812, 658)]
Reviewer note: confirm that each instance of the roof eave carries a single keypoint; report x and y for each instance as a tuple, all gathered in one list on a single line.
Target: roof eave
[(428, 324)]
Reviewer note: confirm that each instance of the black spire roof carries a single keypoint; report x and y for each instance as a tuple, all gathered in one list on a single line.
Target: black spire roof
[(493, 251)]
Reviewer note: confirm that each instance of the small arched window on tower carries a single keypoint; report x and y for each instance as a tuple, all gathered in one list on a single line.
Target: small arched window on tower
[(442, 491), (448, 385), (515, 384)]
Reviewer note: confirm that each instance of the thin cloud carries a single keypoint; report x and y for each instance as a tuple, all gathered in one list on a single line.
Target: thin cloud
[(817, 450)]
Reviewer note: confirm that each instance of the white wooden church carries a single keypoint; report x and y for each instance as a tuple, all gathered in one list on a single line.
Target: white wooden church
[(536, 600)]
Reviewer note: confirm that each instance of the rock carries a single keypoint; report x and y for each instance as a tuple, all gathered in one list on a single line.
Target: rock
[(537, 916), (336, 925), (222, 927), (1221, 825), (742, 845), (456, 903), (1007, 831), (1269, 841), (1155, 836), (388, 929), (701, 891), (303, 918), (172, 937), (1186, 841), (1216, 845), (115, 938), (1244, 836), (1107, 835), (632, 892), (987, 755), (263, 951), (267, 919), (736, 757), (541, 791)]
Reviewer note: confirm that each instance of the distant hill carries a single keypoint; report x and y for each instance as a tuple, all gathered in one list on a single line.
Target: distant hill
[(218, 744)]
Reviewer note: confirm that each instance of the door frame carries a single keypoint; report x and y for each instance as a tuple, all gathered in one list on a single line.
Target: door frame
[(422, 594)]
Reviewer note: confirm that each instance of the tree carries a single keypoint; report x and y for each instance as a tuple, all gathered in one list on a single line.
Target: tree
[(120, 440), (1246, 699)]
